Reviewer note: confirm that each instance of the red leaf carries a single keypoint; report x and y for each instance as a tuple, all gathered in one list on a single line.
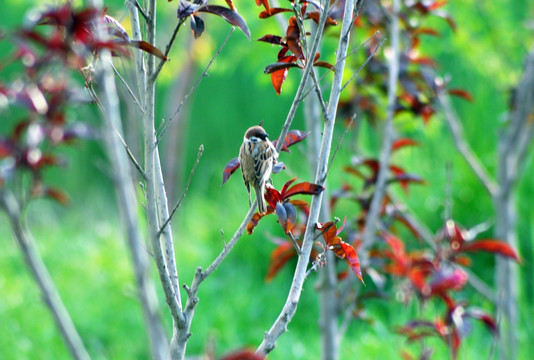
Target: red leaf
[(426, 31), (445, 16), (243, 355), (485, 318), (461, 93), (230, 4), (149, 48), (305, 188), (279, 257), (272, 39), (352, 259), (230, 168), (286, 186), (302, 205), (279, 76), (323, 64), (328, 230), (423, 60), (293, 38), (272, 11), (293, 137), (272, 196), (57, 195), (403, 142), (256, 219), (492, 246), (269, 69), (265, 4), (314, 15), (229, 15)]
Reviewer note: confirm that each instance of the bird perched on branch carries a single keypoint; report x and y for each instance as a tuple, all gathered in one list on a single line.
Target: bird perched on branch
[(257, 157)]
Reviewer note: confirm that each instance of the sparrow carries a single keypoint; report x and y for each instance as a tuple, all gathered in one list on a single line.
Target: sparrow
[(257, 157)]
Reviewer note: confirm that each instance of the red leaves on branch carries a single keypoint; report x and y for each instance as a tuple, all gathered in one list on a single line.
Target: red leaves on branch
[(342, 249), (279, 257), (230, 15), (279, 71), (458, 244), (280, 203)]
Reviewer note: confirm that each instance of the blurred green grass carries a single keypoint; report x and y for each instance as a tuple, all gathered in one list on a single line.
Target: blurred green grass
[(84, 249)]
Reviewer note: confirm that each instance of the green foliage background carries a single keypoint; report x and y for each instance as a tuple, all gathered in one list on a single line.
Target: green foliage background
[(86, 254)]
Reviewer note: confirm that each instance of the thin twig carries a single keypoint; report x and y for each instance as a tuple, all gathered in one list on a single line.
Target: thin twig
[(307, 92), (126, 147), (165, 125), (140, 8), (290, 306), (168, 47), (347, 128), (355, 15), (461, 144), (39, 271), (297, 247), (305, 75), (387, 141), (364, 63), (127, 88), (131, 155), (200, 151)]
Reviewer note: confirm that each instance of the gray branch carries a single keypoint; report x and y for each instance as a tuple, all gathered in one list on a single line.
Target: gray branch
[(290, 307), (385, 153), (43, 279), (463, 147)]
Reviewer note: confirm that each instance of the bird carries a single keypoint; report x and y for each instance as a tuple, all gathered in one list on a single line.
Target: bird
[(257, 156)]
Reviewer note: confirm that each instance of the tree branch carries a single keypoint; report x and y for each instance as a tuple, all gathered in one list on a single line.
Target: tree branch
[(461, 144), (184, 326), (168, 47), (42, 277), (385, 153), (290, 307), (200, 151), (164, 125)]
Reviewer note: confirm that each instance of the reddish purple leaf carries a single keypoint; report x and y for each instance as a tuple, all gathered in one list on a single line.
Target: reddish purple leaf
[(279, 257), (282, 65), (292, 137), (272, 11), (403, 142), (351, 257), (305, 188), (229, 15), (149, 48), (293, 38), (272, 39), (492, 246), (279, 76), (230, 168), (461, 93)]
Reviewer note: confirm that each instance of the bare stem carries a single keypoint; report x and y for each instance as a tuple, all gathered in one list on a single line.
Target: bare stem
[(461, 144), (385, 153), (290, 307), (168, 47), (42, 277), (200, 151), (166, 124)]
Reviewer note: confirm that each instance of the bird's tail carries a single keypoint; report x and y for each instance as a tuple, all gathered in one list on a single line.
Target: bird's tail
[(259, 196)]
